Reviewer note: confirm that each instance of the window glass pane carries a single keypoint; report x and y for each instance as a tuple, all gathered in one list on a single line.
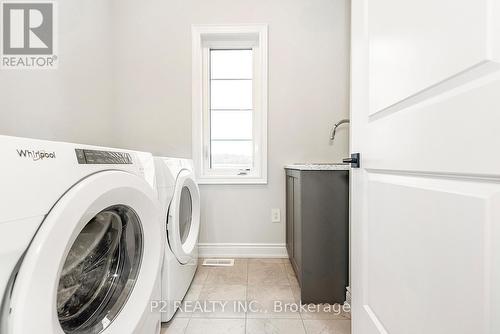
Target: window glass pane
[(231, 64), (231, 103), (232, 154), (231, 124), (231, 94)]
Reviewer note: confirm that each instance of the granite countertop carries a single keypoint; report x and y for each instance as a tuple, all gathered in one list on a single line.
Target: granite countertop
[(319, 166)]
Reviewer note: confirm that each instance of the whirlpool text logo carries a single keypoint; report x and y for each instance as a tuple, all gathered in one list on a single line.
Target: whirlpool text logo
[(36, 155)]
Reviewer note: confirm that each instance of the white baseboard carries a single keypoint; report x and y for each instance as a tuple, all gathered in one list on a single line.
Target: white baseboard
[(247, 250)]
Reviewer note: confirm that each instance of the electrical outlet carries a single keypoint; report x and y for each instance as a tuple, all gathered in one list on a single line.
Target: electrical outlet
[(275, 215)]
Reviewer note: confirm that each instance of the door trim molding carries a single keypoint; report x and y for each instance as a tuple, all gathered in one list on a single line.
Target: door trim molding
[(441, 89), (376, 322), (242, 250), (436, 175)]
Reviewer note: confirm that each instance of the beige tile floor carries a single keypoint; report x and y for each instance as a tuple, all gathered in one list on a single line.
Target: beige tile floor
[(259, 282)]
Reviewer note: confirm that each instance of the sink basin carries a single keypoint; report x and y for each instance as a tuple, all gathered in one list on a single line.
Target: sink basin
[(321, 163), (319, 166)]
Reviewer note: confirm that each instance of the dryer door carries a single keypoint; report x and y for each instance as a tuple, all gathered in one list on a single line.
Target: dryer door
[(93, 265), (183, 224)]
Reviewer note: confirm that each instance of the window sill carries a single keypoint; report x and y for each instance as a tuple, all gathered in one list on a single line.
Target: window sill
[(230, 180)]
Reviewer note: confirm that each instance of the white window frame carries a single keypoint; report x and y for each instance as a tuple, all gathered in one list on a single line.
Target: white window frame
[(204, 38)]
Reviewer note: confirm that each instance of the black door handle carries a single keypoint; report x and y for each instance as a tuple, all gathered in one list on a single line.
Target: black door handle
[(354, 160)]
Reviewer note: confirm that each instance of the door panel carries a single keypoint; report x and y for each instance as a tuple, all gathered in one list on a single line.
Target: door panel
[(417, 44), (434, 259), (289, 216), (297, 225), (425, 208)]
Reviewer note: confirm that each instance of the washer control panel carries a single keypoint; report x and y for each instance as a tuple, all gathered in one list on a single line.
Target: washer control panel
[(94, 157)]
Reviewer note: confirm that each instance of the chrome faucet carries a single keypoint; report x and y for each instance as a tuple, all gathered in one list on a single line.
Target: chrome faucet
[(336, 125)]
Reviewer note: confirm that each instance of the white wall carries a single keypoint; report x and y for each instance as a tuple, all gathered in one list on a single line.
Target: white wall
[(73, 102), (124, 79), (308, 92)]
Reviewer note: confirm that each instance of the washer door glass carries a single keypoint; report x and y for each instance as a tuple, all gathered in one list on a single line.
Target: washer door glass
[(100, 271), (185, 213)]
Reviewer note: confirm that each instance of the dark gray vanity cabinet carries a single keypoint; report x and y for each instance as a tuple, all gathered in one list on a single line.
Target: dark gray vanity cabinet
[(317, 232)]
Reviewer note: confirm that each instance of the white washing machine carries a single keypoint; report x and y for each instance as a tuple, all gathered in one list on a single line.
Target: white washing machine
[(80, 244), (180, 200)]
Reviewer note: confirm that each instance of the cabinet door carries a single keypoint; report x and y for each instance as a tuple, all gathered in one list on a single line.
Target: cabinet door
[(297, 227), (289, 216)]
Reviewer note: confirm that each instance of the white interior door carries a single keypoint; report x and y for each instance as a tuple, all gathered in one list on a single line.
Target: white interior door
[(426, 200)]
